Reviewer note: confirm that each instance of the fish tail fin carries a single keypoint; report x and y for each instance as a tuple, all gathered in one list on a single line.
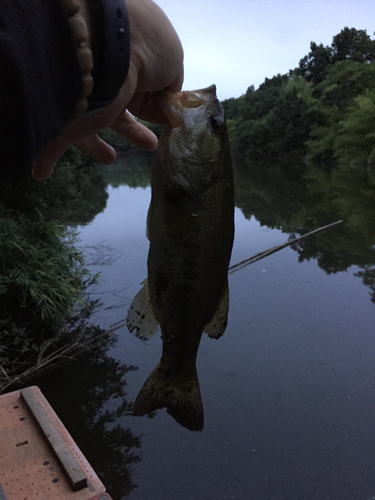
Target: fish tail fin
[(181, 398)]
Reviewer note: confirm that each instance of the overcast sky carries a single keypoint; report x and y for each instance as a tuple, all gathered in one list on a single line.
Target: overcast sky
[(237, 43)]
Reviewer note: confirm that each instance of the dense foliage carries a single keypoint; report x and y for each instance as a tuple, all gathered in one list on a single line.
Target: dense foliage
[(43, 278), (41, 270), (323, 109)]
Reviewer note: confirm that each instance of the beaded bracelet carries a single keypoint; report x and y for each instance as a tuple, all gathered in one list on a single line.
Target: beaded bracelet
[(102, 81), (81, 35)]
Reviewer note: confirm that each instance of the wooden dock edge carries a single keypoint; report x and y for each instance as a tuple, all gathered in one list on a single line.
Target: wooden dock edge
[(73, 471), (39, 459)]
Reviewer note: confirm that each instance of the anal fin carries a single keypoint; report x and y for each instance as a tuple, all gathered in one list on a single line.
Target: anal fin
[(141, 317)]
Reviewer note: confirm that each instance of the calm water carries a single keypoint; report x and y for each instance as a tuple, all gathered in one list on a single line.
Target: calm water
[(288, 391)]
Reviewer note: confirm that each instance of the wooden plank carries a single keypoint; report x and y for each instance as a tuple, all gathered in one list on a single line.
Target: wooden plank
[(73, 471), (102, 496), (28, 463)]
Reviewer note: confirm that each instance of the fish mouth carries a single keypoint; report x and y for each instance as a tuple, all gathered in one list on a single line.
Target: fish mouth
[(174, 104)]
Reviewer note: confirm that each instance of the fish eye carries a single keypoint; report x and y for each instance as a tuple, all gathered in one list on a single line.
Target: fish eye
[(216, 122)]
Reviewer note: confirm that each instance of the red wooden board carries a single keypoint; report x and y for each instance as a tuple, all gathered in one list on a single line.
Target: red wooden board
[(34, 463)]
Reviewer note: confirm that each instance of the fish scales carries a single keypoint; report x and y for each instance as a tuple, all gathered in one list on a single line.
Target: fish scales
[(189, 255), (191, 229)]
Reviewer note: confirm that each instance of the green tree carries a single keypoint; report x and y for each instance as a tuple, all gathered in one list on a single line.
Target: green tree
[(234, 107), (305, 111), (353, 44), (315, 64), (356, 134), (344, 82), (348, 44), (273, 120)]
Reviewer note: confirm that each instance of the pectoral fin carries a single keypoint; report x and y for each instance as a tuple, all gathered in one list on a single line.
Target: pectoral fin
[(141, 317), (216, 327)]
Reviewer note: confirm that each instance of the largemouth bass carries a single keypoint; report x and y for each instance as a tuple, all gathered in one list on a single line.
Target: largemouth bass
[(191, 228)]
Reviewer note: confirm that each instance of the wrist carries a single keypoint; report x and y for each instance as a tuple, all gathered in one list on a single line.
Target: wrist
[(81, 30), (101, 31), (110, 44)]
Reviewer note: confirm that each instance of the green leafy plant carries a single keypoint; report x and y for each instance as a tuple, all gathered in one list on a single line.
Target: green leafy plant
[(41, 271)]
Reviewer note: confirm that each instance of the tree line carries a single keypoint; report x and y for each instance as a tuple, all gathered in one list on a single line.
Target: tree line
[(323, 109)]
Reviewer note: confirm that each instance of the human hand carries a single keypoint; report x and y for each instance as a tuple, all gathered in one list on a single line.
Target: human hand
[(156, 63)]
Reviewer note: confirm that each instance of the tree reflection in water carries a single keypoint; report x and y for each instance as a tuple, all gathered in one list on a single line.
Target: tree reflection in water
[(99, 400), (298, 198)]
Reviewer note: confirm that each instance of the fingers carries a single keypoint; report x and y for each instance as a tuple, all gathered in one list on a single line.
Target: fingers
[(93, 146), (98, 149), (127, 126), (146, 105), (45, 163)]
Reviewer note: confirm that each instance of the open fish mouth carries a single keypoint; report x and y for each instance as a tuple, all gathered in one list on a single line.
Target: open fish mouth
[(175, 105)]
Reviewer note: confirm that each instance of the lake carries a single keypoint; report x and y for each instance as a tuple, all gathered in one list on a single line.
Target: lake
[(288, 391)]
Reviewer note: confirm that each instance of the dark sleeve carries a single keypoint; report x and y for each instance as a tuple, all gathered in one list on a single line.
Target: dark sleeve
[(40, 78)]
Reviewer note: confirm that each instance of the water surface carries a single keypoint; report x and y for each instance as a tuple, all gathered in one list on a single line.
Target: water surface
[(288, 391)]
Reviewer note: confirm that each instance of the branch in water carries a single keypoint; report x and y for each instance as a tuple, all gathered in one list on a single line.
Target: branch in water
[(265, 253)]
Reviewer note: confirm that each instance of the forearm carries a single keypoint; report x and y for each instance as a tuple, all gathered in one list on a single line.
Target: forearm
[(70, 59), (58, 60), (40, 79)]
